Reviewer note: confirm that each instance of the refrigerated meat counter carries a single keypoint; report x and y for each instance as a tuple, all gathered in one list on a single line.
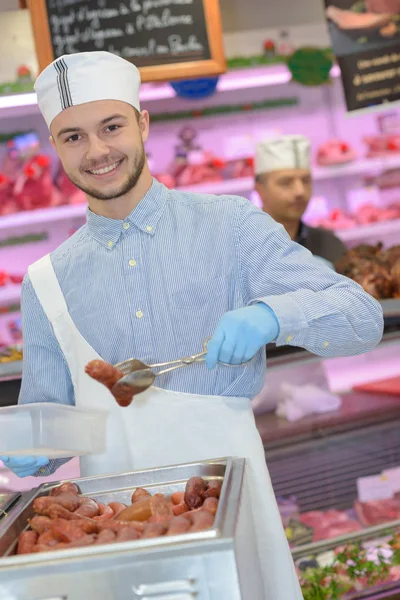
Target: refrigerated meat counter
[(220, 563)]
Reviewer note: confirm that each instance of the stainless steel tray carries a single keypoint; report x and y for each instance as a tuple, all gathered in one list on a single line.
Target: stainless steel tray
[(118, 488), (221, 563)]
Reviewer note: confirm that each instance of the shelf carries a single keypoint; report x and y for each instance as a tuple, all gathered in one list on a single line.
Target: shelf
[(363, 232), (10, 294), (236, 79), (43, 215), (359, 167)]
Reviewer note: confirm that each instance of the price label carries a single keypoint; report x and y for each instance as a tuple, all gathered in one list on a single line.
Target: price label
[(375, 487)]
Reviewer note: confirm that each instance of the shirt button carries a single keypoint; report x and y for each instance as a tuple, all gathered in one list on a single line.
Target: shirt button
[(110, 244), (289, 338), (326, 344), (149, 228), (132, 262), (139, 314), (126, 225)]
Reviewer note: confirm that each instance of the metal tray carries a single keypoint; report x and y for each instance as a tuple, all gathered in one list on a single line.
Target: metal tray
[(105, 489)]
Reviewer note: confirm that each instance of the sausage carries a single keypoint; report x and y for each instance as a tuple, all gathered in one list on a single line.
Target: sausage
[(104, 373), (123, 393), (26, 542), (139, 494), (88, 508), (178, 525), (213, 489), (69, 501), (106, 512), (58, 512), (144, 509), (105, 537), (47, 548), (154, 530), (66, 531), (86, 540), (117, 507), (127, 534), (40, 524), (194, 492), (180, 509), (211, 504), (47, 539), (177, 498), (201, 520), (65, 488), (118, 526)]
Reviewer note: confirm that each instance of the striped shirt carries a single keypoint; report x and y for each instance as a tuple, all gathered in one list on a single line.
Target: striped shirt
[(155, 285)]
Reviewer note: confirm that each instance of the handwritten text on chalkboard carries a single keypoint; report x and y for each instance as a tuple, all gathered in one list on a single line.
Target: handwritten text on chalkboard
[(145, 31)]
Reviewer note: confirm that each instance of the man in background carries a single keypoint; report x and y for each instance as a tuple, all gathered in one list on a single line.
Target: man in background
[(284, 184)]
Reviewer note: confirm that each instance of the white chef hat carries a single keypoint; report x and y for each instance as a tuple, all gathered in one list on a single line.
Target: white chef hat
[(85, 77), (285, 152)]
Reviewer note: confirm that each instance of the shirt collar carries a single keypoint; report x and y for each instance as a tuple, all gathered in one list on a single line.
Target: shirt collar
[(145, 216)]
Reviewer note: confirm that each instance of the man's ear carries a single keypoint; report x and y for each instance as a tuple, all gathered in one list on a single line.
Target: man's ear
[(52, 142), (144, 125)]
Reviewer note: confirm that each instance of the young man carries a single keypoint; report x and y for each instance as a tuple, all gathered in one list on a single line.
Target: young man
[(151, 275), (284, 184)]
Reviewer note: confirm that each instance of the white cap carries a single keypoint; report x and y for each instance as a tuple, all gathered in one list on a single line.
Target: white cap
[(86, 77), (285, 152)]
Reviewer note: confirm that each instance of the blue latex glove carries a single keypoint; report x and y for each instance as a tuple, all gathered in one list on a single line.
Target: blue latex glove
[(241, 333), (23, 466)]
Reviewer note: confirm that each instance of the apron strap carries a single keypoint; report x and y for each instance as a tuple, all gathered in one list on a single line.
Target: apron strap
[(47, 288)]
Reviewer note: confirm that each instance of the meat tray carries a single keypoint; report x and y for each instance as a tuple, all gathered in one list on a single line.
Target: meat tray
[(219, 563)]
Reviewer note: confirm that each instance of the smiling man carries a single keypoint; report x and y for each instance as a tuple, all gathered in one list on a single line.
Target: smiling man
[(152, 274)]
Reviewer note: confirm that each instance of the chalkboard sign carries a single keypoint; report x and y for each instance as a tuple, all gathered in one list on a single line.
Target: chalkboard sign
[(165, 39)]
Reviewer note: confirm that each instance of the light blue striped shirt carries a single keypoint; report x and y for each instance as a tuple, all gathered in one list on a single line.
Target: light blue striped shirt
[(155, 285)]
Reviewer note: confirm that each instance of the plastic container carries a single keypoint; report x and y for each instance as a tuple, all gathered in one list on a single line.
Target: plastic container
[(51, 430)]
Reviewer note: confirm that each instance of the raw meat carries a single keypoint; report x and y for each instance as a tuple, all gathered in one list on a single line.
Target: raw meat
[(383, 6), (349, 20), (329, 524), (377, 512)]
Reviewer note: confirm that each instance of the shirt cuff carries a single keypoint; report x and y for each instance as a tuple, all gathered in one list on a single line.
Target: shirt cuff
[(293, 325)]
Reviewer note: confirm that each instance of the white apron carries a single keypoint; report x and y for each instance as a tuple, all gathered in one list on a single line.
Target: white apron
[(163, 428)]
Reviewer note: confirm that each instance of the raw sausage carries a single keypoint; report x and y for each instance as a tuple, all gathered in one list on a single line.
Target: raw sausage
[(47, 539), (178, 525), (117, 507), (194, 492), (26, 542), (106, 512), (65, 488), (58, 512), (155, 530), (105, 537), (123, 393), (201, 520), (177, 498), (180, 509), (144, 509), (118, 526), (40, 524), (211, 504), (104, 373), (69, 501), (139, 494), (88, 508), (68, 531), (127, 534), (213, 489)]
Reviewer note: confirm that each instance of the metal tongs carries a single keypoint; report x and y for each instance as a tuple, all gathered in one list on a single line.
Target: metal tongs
[(140, 376)]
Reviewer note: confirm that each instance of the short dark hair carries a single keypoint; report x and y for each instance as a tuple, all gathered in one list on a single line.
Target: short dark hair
[(261, 178)]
